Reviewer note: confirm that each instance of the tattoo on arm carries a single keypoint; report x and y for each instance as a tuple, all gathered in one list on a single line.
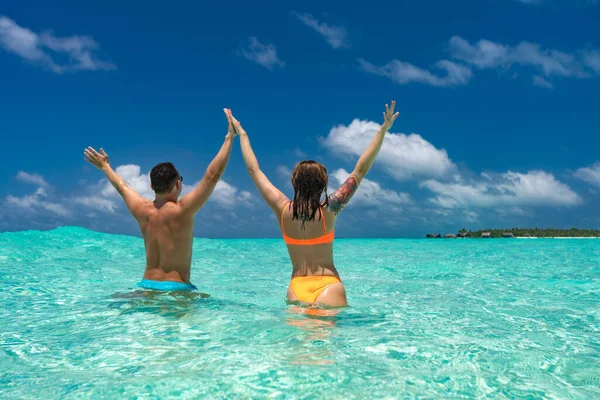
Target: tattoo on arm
[(338, 199)]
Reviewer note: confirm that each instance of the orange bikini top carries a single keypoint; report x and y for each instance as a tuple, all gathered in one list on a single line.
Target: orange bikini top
[(326, 238)]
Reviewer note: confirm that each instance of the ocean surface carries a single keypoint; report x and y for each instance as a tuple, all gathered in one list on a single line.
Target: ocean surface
[(428, 319)]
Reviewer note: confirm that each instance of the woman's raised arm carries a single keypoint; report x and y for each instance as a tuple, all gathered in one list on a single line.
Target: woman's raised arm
[(273, 196), (338, 199)]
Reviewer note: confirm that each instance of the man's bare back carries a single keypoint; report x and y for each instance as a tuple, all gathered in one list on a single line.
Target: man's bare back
[(167, 223), (168, 235)]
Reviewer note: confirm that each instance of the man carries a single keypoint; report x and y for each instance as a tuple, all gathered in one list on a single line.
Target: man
[(167, 224)]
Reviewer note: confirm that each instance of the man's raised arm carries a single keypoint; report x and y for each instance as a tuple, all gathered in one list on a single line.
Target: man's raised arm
[(100, 160), (194, 200)]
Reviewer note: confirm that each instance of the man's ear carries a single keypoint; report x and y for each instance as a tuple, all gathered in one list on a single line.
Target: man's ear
[(152, 187)]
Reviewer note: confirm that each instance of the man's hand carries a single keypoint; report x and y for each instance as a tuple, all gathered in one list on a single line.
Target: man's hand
[(389, 117), (98, 160)]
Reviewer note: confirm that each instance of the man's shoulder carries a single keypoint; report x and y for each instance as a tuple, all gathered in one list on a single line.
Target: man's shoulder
[(175, 210)]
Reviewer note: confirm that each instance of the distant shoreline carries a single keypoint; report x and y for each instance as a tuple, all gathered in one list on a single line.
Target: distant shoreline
[(558, 237), (520, 233)]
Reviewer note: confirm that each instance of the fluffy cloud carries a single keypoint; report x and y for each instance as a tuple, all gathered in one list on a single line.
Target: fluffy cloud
[(403, 73), (41, 48), (99, 206), (548, 63), (402, 156), (284, 171), (535, 188), (299, 153), (370, 193), (107, 199), (36, 202), (590, 174), (592, 60), (227, 195), (132, 175), (263, 54), (39, 200), (336, 36), (97, 203), (34, 179), (486, 54)]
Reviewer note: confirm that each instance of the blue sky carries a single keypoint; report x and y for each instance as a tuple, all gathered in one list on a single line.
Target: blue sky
[(499, 123)]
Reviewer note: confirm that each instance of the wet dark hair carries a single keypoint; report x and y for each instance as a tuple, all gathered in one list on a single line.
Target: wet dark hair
[(309, 180), (163, 176)]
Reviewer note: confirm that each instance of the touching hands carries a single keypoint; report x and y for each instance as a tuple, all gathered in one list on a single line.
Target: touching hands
[(389, 117), (236, 124), (230, 129), (98, 160)]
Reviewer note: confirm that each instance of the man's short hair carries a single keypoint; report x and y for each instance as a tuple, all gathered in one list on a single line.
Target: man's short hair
[(163, 177)]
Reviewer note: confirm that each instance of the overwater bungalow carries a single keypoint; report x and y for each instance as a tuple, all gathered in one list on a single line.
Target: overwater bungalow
[(433, 236), (486, 235), (507, 235), (450, 236)]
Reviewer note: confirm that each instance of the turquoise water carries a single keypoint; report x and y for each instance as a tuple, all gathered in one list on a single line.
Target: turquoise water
[(429, 319)]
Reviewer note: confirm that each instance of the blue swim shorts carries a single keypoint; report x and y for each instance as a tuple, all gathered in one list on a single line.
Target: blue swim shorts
[(167, 286)]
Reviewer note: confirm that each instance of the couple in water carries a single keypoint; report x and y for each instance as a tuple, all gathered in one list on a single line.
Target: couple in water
[(307, 222)]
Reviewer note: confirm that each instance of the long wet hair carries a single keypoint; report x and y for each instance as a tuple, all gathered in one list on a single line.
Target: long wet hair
[(309, 180)]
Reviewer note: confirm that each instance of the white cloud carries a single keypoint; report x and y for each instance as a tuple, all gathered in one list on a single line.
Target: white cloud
[(404, 73), (370, 193), (299, 153), (34, 179), (41, 48), (336, 36), (470, 216), (486, 54), (592, 59), (590, 174), (535, 188), (96, 202), (104, 198), (284, 171), (402, 156), (108, 199), (541, 82), (228, 196), (548, 63), (263, 54), (132, 175), (36, 201)]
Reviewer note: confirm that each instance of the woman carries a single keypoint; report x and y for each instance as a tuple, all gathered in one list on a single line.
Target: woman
[(308, 222)]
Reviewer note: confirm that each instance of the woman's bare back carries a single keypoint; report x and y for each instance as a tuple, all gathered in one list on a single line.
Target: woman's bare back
[(314, 259)]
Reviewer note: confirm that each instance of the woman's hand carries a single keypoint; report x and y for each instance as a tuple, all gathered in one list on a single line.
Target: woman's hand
[(389, 117)]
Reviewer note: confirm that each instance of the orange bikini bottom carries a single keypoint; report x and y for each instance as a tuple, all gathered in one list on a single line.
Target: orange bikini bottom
[(308, 288)]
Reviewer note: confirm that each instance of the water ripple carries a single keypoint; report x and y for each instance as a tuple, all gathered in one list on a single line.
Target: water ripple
[(429, 319)]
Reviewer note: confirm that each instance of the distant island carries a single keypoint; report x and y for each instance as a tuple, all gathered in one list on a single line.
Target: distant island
[(519, 232)]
